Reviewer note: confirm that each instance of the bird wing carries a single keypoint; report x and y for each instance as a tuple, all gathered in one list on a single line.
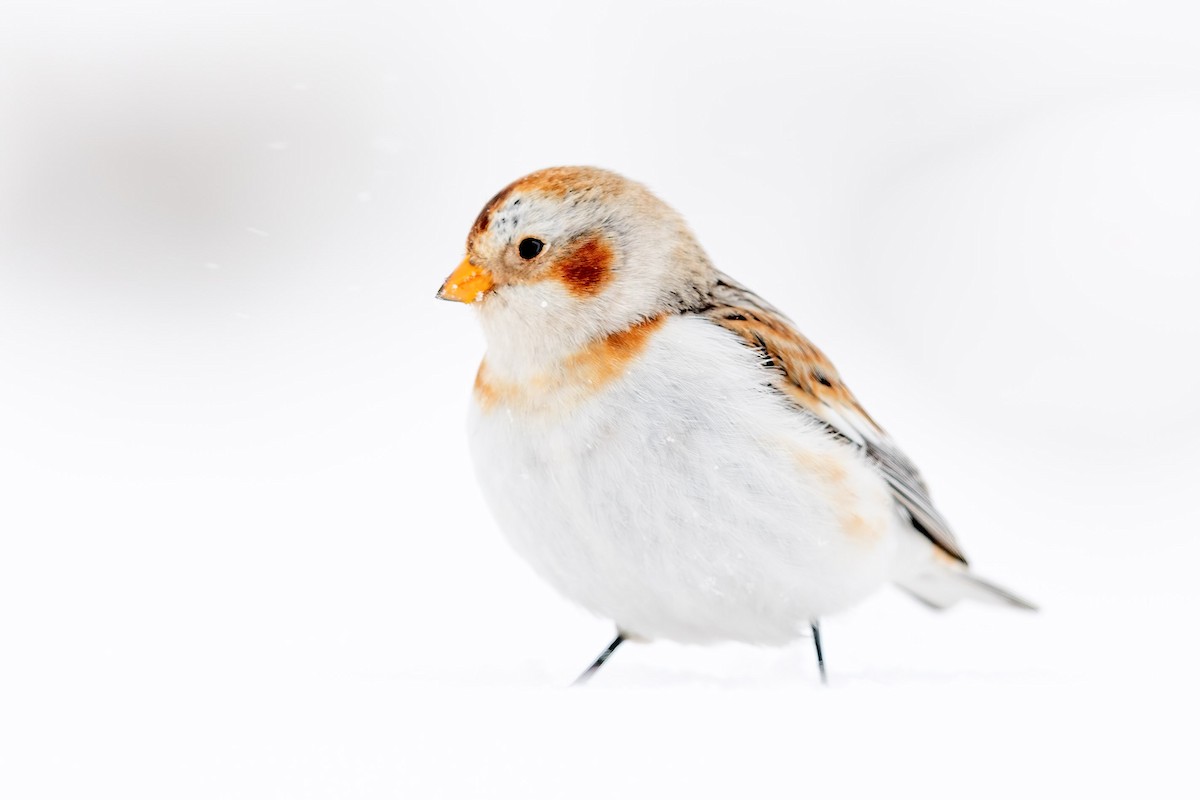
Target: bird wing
[(807, 377)]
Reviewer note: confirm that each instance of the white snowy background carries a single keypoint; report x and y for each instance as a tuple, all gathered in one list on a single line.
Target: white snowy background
[(242, 554)]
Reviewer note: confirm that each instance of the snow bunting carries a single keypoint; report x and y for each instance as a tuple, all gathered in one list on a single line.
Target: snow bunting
[(663, 446)]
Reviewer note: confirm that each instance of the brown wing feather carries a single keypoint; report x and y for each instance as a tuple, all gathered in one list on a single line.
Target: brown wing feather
[(808, 378)]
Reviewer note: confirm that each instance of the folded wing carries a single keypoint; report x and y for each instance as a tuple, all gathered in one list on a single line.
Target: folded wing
[(801, 372)]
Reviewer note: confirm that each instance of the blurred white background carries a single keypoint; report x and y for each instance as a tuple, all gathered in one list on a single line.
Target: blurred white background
[(242, 550)]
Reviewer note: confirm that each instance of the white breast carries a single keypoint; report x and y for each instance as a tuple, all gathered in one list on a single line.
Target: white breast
[(684, 500)]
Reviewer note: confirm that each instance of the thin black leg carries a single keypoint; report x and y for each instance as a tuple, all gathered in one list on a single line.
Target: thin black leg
[(599, 662), (816, 629)]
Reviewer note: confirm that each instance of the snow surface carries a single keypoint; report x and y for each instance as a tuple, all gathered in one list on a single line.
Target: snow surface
[(241, 550)]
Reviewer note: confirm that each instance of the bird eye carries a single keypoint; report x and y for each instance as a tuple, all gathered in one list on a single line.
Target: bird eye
[(529, 248)]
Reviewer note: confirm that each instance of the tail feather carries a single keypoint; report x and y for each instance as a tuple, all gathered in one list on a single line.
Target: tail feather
[(945, 586)]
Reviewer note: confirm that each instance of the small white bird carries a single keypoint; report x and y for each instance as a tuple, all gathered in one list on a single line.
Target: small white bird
[(663, 446)]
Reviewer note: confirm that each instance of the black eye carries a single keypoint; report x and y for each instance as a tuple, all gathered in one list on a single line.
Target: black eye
[(529, 248)]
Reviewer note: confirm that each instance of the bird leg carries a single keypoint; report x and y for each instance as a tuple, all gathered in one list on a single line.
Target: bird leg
[(599, 662), (816, 631)]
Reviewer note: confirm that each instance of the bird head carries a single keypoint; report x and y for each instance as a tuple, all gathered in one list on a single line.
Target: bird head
[(569, 254)]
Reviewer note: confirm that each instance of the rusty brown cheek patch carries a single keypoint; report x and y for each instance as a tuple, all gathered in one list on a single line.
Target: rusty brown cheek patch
[(586, 268)]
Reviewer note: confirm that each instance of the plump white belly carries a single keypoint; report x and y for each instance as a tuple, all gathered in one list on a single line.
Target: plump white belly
[(686, 501)]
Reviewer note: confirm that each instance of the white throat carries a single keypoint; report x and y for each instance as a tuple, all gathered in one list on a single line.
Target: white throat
[(534, 329)]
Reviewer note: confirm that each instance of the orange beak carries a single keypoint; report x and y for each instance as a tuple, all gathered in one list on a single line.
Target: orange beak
[(467, 284)]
